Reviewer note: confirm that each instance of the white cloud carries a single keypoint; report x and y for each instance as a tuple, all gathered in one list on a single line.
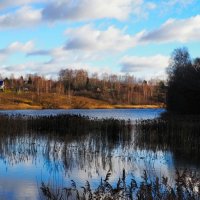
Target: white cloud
[(80, 10), (10, 3), (2, 57), (86, 44), (25, 16), (174, 30), (16, 47), (59, 55), (50, 70), (87, 38), (59, 59), (20, 47), (146, 63)]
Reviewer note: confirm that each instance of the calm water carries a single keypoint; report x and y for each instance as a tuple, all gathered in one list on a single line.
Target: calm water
[(132, 114), (27, 160)]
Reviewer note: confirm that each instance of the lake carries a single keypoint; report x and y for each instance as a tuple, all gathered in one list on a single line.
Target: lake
[(126, 114), (30, 158)]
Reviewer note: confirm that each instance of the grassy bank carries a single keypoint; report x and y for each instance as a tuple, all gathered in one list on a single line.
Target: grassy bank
[(29, 100)]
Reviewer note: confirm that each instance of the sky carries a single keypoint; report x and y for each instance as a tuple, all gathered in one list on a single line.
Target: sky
[(133, 37)]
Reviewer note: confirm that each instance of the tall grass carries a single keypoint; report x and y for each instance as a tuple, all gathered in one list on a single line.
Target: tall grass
[(62, 124), (186, 186), (27, 137)]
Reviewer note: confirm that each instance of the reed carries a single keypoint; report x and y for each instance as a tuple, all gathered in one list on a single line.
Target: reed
[(186, 186), (62, 124), (21, 137)]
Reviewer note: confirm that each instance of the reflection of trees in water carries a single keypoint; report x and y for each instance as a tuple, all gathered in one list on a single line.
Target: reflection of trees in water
[(63, 142), (176, 133), (94, 147), (76, 142), (17, 149), (92, 151)]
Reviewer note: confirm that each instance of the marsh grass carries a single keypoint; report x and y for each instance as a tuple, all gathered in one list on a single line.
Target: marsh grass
[(186, 186), (62, 129), (57, 138), (177, 133), (77, 124), (61, 124)]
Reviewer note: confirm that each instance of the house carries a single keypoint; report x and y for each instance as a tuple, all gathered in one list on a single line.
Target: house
[(2, 86)]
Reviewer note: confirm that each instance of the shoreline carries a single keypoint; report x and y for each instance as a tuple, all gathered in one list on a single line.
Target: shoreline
[(34, 107)]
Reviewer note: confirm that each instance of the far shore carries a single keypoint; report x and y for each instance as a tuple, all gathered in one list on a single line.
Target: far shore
[(25, 101)]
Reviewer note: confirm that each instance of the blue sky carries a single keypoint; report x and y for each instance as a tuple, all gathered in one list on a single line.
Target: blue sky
[(104, 36)]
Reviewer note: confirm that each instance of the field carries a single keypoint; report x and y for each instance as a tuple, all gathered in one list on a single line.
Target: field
[(30, 100)]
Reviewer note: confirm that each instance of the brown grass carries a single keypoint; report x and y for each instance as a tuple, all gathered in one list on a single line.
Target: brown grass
[(30, 100), (140, 106)]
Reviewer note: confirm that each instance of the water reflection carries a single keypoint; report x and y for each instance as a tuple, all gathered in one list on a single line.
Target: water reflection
[(32, 151), (176, 133)]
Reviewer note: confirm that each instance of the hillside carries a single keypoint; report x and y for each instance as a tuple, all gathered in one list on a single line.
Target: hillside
[(30, 100)]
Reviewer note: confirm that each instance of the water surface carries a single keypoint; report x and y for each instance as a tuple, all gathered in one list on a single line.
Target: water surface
[(126, 114), (28, 159)]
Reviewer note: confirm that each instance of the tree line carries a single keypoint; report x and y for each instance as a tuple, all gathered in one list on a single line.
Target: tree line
[(115, 89)]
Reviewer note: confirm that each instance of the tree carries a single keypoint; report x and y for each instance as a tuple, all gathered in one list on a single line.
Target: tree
[(179, 62), (159, 93), (66, 76), (183, 93)]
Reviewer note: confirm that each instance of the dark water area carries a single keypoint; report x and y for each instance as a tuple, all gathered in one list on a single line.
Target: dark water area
[(32, 152)]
